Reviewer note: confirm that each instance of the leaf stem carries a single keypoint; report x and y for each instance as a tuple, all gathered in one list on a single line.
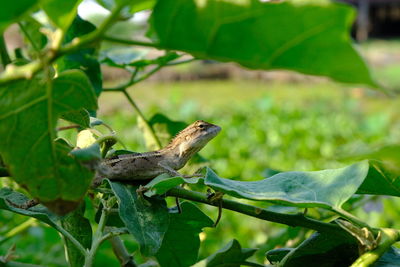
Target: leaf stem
[(97, 238), (145, 121), (389, 237), (129, 42), (121, 252), (294, 220)]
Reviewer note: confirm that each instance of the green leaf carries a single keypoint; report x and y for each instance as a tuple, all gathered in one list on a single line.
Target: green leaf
[(146, 219), (118, 56), (232, 255), (260, 35), (80, 117), (323, 249), (381, 180), (33, 36), (39, 212), (391, 258), (12, 11), (163, 183), (29, 111), (181, 243), (87, 154), (326, 188), (84, 59), (79, 227), (61, 13)]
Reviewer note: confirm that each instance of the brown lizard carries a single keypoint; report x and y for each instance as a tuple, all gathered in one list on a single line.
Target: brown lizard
[(170, 159)]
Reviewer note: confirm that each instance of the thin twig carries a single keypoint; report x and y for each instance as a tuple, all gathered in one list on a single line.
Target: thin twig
[(74, 126), (145, 121), (129, 42)]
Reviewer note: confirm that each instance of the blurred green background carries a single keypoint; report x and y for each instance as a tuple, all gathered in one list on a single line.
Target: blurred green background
[(281, 122)]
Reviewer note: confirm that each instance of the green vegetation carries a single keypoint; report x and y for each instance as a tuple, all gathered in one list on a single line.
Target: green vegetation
[(304, 173)]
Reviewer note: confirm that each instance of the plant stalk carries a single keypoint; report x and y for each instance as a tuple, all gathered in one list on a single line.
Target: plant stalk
[(294, 220)]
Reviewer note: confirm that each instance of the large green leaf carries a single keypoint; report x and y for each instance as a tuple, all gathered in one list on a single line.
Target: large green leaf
[(232, 255), (11, 11), (326, 188), (382, 179), (181, 243), (61, 13), (305, 36), (146, 219), (325, 250), (29, 111), (39, 212)]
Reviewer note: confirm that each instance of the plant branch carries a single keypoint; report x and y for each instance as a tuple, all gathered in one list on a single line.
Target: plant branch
[(97, 238), (145, 121), (5, 58), (124, 258), (27, 71), (129, 42), (294, 220), (389, 237)]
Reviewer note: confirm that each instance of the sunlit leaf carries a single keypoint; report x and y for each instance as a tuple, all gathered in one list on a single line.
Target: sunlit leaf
[(61, 13), (326, 188), (265, 35), (29, 112)]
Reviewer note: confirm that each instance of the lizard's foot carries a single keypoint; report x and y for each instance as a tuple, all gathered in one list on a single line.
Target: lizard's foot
[(216, 199), (28, 204), (140, 192)]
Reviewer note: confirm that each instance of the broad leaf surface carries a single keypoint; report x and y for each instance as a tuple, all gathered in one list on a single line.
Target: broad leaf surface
[(11, 11), (391, 258), (39, 212), (323, 250), (79, 227), (382, 179), (80, 117), (326, 188), (181, 243), (28, 114), (265, 35), (146, 219), (32, 28), (61, 13), (232, 255)]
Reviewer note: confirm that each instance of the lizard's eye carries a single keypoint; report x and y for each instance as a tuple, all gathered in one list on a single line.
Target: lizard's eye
[(201, 126)]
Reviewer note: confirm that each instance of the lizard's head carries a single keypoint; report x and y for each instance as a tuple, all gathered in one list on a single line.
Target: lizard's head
[(199, 133), (194, 137)]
